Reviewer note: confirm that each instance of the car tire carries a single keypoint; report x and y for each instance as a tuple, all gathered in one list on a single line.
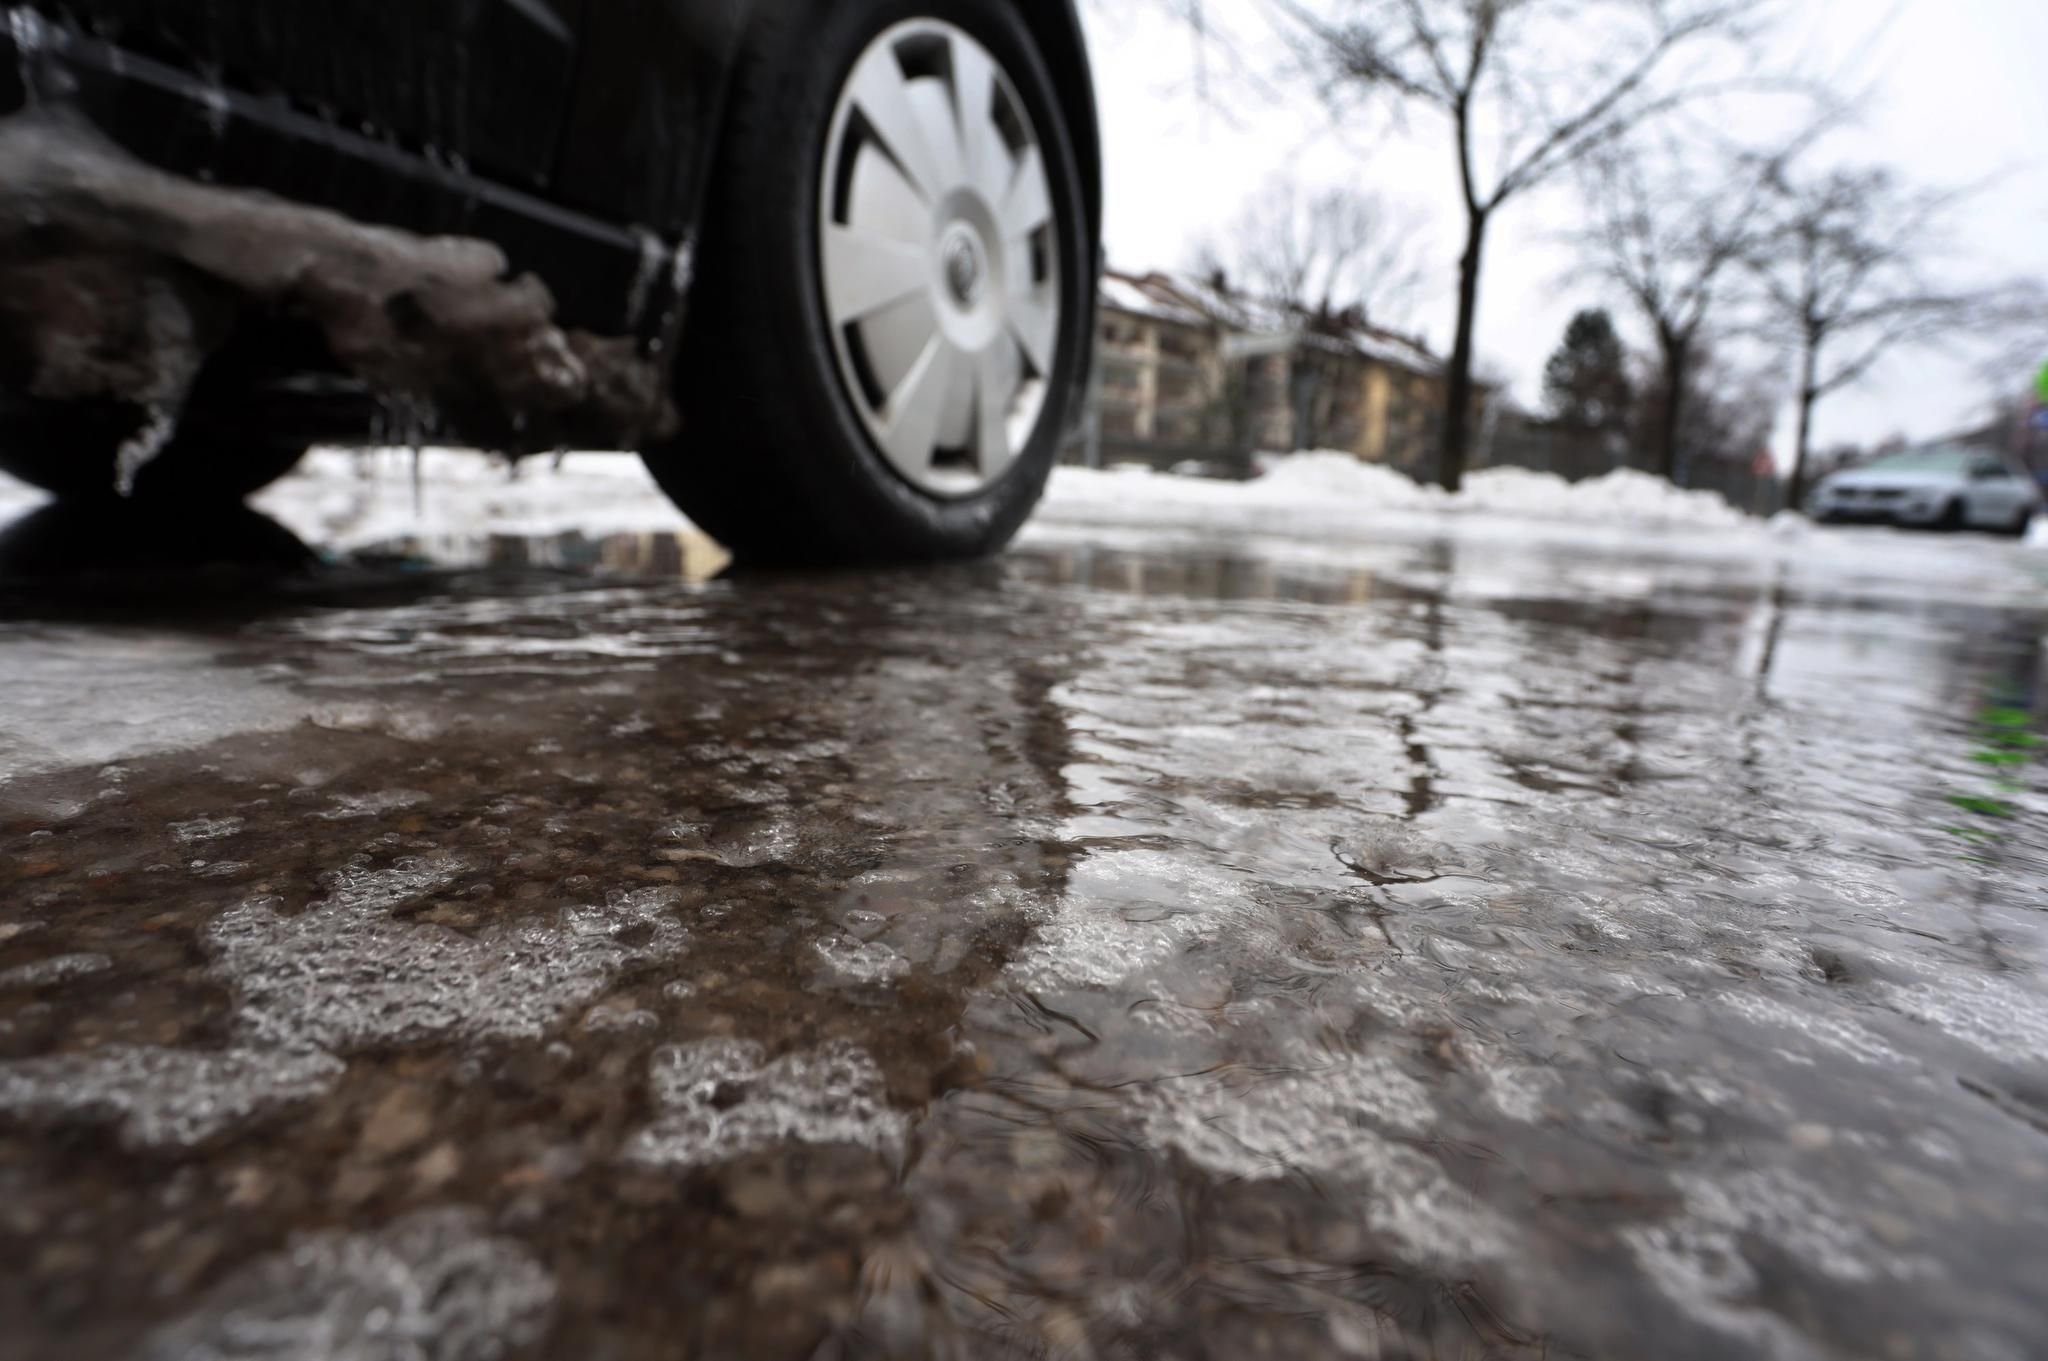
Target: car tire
[(792, 452), (1952, 518)]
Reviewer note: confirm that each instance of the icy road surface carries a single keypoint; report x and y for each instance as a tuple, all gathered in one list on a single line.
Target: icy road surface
[(1169, 942)]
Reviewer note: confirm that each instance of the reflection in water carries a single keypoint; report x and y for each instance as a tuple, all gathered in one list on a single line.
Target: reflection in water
[(113, 539), (1204, 576), (1114, 954), (666, 556), (2004, 745)]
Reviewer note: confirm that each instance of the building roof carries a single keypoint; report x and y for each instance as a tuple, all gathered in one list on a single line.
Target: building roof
[(1401, 351), (1196, 302), (1150, 296)]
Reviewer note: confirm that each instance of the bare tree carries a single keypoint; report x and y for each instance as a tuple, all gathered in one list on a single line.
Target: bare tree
[(1321, 256), (1669, 227), (1327, 262), (1726, 409), (1529, 89), (1846, 275)]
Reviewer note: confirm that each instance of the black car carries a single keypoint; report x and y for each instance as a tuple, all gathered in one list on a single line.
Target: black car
[(828, 265)]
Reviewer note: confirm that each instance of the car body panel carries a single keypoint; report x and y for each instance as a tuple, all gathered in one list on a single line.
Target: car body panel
[(649, 97), (609, 108), (157, 113), (1998, 503), (409, 70)]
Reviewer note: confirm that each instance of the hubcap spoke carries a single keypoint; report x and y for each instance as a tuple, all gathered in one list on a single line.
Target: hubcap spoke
[(864, 274), (985, 158), (916, 408), (1028, 205), (894, 339), (999, 372), (882, 96), (881, 201), (1035, 320)]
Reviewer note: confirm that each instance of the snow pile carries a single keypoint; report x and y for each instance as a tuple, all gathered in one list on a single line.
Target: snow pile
[(1313, 489), (1624, 496), (2037, 531), (1297, 492), (347, 499), (438, 499), (1323, 478)]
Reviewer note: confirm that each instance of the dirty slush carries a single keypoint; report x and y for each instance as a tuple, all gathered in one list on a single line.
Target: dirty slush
[(119, 282), (1091, 955)]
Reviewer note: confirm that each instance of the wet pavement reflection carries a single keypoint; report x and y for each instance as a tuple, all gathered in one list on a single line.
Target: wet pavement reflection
[(1121, 951)]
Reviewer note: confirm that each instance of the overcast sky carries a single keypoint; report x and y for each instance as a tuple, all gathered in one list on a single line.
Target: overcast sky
[(1957, 94)]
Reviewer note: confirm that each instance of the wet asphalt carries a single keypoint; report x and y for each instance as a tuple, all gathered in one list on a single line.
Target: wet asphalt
[(1133, 948)]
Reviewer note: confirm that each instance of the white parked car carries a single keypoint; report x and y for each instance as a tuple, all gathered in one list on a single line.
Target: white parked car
[(1941, 486)]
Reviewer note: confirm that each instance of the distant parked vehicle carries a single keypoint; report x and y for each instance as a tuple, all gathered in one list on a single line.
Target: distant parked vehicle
[(1937, 487)]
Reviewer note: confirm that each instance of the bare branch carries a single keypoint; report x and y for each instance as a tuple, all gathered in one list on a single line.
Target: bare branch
[(1320, 257), (1529, 89), (1489, 67), (1847, 271)]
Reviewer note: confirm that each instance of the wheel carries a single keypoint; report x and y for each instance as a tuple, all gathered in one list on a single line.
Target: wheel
[(1952, 517), (895, 282), (72, 453), (2023, 520)]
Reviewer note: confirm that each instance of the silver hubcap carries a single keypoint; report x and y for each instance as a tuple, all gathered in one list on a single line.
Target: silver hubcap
[(939, 257)]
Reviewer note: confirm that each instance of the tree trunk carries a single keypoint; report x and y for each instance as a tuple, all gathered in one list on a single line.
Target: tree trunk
[(1307, 383), (1809, 394), (1672, 421), (1458, 381)]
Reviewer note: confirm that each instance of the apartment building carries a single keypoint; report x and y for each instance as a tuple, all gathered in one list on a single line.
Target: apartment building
[(1190, 371)]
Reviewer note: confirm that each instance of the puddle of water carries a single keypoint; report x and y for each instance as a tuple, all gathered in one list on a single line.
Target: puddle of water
[(1117, 952)]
